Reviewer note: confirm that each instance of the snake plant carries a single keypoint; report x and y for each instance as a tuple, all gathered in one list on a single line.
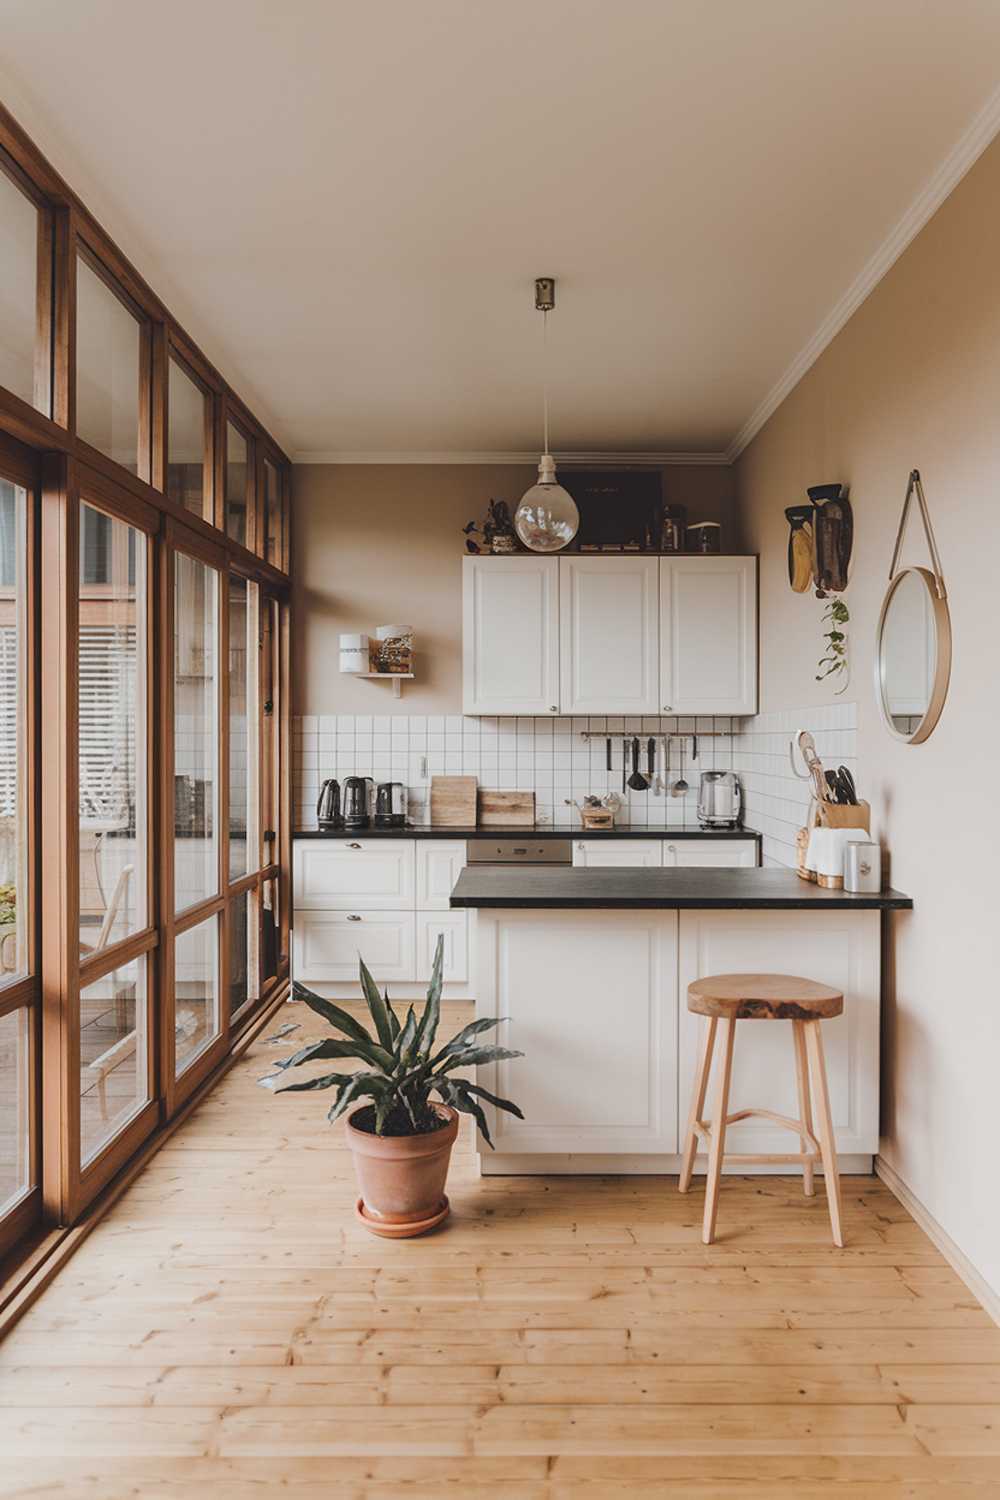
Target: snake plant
[(403, 1069)]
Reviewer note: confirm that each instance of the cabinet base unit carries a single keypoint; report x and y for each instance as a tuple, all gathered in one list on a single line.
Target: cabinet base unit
[(596, 1001)]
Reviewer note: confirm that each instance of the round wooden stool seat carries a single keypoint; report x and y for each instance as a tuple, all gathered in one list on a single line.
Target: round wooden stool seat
[(763, 997)]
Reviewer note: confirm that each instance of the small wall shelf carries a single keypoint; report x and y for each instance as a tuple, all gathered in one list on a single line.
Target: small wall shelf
[(396, 678)]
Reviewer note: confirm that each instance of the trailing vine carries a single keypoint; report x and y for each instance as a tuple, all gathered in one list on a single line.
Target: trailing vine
[(834, 663)]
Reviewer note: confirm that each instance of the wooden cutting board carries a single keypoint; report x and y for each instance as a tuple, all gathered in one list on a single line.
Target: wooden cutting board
[(453, 801), (506, 809)]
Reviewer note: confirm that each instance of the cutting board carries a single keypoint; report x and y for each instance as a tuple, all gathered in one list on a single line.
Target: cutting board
[(506, 809), (453, 801)]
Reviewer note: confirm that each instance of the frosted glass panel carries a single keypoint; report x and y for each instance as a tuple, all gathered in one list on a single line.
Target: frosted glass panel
[(18, 272), (107, 369)]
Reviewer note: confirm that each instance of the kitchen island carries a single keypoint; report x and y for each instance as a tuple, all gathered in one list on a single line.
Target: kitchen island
[(591, 968)]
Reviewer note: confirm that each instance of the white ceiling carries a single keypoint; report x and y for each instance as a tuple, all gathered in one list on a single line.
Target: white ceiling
[(346, 204)]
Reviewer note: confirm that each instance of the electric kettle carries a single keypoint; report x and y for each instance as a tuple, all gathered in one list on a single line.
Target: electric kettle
[(356, 802), (390, 805), (328, 806), (720, 800)]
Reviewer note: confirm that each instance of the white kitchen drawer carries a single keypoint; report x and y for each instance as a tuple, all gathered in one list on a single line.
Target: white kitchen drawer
[(605, 854), (703, 854), (327, 945), (455, 926), (439, 864), (355, 874)]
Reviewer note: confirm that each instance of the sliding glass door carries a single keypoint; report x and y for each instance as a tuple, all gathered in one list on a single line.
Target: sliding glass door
[(20, 1198)]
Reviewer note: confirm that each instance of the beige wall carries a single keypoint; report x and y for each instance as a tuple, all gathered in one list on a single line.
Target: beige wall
[(377, 544), (914, 381)]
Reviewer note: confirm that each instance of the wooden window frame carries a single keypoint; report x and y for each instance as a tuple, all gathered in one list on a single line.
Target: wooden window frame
[(61, 469), (178, 352), (21, 467)]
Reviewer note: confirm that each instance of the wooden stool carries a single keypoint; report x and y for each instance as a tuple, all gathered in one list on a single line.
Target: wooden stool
[(726, 999)]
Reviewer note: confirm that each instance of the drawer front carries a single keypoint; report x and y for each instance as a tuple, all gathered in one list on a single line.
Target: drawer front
[(439, 865), (355, 874), (604, 854), (327, 945), (708, 853), (455, 927)]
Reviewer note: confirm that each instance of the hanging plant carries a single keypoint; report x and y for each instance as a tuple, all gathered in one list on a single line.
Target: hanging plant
[(834, 663)]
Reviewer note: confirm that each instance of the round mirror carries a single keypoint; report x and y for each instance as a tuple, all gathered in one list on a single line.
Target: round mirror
[(912, 655)]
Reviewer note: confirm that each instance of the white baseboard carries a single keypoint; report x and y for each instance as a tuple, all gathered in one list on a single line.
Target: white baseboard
[(956, 1258), (574, 1164)]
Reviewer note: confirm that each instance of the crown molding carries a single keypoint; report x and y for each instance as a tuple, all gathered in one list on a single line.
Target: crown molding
[(421, 456), (966, 151)]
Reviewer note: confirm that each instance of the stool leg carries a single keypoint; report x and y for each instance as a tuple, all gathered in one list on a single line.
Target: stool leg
[(699, 1089), (718, 1140), (828, 1148), (805, 1107)]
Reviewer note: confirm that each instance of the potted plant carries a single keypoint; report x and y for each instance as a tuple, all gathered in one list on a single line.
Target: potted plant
[(401, 1140)]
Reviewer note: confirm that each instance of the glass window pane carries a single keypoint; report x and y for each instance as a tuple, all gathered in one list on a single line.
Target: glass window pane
[(196, 747), (187, 434), (15, 1108), (237, 484), (272, 515), (242, 716), (196, 991), (18, 272), (270, 930), (244, 968), (112, 738), (113, 1082), (107, 369), (14, 958)]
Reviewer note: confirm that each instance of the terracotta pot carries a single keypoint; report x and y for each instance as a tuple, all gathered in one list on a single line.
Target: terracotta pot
[(402, 1177)]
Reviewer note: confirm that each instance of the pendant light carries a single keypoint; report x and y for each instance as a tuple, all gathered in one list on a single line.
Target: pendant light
[(547, 519)]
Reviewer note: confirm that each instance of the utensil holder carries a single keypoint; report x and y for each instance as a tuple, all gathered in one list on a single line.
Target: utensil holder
[(829, 815)]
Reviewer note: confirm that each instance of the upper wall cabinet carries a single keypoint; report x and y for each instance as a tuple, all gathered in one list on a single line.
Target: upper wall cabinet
[(510, 635), (708, 635), (609, 646), (610, 635)]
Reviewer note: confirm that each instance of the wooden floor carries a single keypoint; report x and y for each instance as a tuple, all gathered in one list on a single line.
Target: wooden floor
[(229, 1331)]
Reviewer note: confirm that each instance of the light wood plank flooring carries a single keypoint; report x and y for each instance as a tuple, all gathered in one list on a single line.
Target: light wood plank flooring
[(229, 1331)]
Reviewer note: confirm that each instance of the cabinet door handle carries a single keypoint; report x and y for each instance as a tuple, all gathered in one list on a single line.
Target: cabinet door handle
[(666, 708), (353, 918), (671, 848), (354, 846), (554, 709)]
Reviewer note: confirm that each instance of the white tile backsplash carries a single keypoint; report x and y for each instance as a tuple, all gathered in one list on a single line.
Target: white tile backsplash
[(550, 757), (546, 755), (776, 799)]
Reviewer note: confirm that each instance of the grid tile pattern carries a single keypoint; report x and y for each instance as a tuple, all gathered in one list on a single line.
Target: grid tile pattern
[(776, 800), (548, 756)]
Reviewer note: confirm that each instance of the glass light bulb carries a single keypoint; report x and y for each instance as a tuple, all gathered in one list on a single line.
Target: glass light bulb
[(547, 519)]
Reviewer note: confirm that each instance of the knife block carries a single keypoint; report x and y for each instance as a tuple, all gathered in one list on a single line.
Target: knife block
[(828, 815)]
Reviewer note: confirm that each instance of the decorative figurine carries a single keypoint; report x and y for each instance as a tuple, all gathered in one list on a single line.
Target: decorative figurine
[(497, 531)]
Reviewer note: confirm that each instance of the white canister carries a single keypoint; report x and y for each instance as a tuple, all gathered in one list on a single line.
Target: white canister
[(862, 868), (354, 654)]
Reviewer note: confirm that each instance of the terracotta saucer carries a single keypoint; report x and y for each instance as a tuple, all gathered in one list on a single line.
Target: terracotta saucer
[(401, 1231)]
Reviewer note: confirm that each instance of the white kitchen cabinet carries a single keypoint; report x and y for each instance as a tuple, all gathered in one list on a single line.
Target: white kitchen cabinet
[(708, 853), (454, 925), (836, 948), (609, 644), (599, 1071), (359, 874), (439, 864), (708, 634), (605, 854), (327, 945), (510, 635)]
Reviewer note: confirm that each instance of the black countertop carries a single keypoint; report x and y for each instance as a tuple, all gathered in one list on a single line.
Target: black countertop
[(539, 831), (566, 888)]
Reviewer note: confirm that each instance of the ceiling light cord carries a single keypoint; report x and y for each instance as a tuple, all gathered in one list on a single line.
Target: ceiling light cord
[(545, 377)]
